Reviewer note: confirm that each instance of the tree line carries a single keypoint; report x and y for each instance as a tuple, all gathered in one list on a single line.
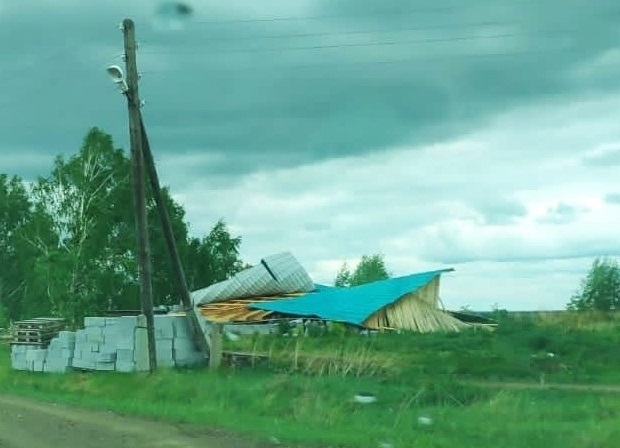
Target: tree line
[(67, 240), (598, 291), (67, 244)]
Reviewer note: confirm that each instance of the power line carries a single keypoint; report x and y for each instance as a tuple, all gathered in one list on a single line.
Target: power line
[(260, 111), (446, 26), (332, 69), (352, 64), (373, 14), (545, 35)]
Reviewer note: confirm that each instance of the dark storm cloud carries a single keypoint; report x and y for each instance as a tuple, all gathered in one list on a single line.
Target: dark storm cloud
[(352, 77)]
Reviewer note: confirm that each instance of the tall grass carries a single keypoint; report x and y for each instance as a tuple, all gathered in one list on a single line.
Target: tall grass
[(585, 345), (305, 394), (319, 410)]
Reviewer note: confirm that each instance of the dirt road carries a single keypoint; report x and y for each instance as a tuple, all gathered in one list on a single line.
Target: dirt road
[(28, 424)]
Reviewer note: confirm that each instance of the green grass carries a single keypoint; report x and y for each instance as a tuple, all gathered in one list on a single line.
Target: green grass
[(585, 348), (318, 410), (305, 395)]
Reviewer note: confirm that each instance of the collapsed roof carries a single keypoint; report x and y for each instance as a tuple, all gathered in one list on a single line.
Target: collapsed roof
[(280, 286)]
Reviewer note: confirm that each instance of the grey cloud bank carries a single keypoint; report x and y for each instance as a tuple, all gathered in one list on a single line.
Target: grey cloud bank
[(483, 135), (219, 86)]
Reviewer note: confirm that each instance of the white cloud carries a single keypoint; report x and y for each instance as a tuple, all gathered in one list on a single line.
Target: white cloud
[(425, 208)]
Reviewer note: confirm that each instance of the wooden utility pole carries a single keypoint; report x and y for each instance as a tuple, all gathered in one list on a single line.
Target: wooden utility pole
[(202, 342), (142, 231)]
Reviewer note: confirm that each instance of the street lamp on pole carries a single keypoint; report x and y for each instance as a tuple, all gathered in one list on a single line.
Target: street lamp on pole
[(203, 341), (128, 85), (118, 77)]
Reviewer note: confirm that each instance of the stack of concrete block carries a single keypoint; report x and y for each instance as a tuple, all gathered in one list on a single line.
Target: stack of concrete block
[(164, 337), (24, 357), (112, 344), (183, 349), (108, 344), (59, 356)]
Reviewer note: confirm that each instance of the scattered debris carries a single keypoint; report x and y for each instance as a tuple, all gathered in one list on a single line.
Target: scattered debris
[(364, 398), (424, 420), (279, 288)]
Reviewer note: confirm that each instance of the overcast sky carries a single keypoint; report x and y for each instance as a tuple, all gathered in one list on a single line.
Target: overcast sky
[(482, 137)]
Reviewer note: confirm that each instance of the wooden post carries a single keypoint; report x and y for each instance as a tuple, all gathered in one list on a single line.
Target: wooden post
[(217, 336), (200, 341), (135, 138)]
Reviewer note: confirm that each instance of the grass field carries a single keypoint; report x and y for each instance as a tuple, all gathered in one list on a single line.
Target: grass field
[(305, 397), (585, 348)]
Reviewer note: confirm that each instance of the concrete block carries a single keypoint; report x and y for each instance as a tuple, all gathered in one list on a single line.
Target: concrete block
[(94, 322), (164, 327), (182, 347), (185, 354), (109, 321), (55, 344), (127, 323), (110, 334), (84, 364), (163, 350), (94, 335), (125, 367), (81, 336), (37, 366), (66, 336), (52, 355), (126, 343), (67, 339), (125, 356), (57, 368), (18, 361), (141, 321), (125, 332), (141, 350), (105, 366), (77, 354), (193, 360), (106, 357), (36, 355), (17, 349), (181, 328)]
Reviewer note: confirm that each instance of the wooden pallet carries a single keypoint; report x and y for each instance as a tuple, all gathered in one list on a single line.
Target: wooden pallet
[(38, 344), (243, 359), (38, 331), (43, 323)]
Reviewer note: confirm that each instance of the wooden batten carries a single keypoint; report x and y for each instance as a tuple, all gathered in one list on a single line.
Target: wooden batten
[(416, 311)]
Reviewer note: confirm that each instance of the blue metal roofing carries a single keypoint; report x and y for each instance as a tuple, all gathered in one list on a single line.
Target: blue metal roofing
[(351, 305)]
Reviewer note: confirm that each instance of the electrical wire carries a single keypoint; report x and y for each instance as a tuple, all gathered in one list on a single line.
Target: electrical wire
[(204, 50), (333, 67), (435, 27), (370, 15)]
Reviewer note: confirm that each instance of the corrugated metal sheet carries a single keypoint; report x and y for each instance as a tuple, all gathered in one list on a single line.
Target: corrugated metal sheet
[(276, 274), (350, 305)]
